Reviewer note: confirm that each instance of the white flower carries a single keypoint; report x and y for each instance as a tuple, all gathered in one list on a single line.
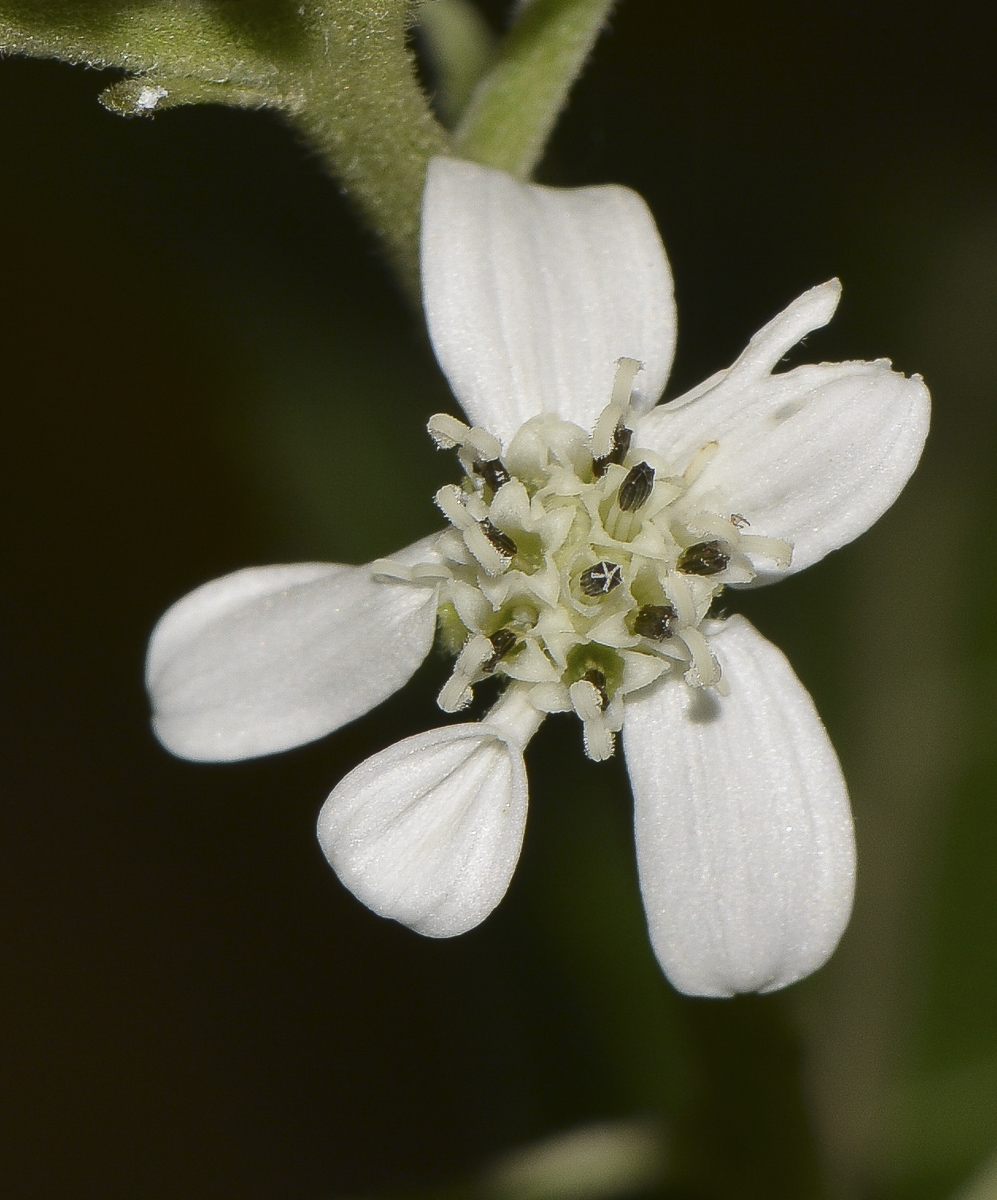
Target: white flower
[(589, 538)]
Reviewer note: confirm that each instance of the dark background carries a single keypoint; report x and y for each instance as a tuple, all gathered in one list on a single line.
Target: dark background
[(205, 366)]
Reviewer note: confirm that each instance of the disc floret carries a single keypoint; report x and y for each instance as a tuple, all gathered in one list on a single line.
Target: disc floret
[(579, 567)]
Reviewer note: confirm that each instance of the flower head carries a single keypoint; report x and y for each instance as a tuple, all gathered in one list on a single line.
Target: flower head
[(587, 541)]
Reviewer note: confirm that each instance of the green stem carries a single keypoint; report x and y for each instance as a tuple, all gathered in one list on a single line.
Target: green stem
[(340, 71), (363, 112), (461, 49), (514, 108)]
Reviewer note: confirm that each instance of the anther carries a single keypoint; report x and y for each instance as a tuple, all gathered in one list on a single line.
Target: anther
[(501, 541), (705, 558), (502, 642), (598, 680), (493, 473), (738, 521), (622, 437), (600, 579), (636, 489), (654, 621)]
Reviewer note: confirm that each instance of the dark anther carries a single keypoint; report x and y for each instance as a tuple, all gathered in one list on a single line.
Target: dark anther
[(493, 473), (654, 621), (598, 680), (502, 642), (501, 541), (705, 558), (617, 453), (636, 489), (600, 579)]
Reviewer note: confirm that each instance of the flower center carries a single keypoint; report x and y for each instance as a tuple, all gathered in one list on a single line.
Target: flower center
[(579, 567)]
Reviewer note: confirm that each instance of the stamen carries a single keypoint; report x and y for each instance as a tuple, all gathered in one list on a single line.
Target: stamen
[(600, 579), (478, 538), (705, 670), (598, 680), (502, 642), (568, 500), (451, 502), (493, 473), (654, 621), (457, 691), (680, 597), (589, 706), (613, 417), (501, 541), (446, 431), (618, 450), (627, 370), (484, 445), (705, 558), (636, 489)]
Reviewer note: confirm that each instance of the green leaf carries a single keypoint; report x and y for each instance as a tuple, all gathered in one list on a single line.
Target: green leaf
[(514, 108), (460, 48), (145, 95), (341, 72), (252, 45)]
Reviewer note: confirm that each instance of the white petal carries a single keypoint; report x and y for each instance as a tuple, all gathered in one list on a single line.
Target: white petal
[(808, 312), (533, 293), (744, 835), (272, 657), (428, 832), (812, 456)]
